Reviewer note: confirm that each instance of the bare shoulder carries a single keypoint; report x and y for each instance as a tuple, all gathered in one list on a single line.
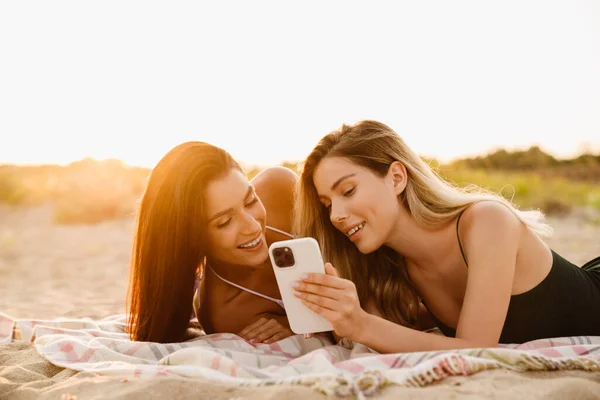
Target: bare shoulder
[(275, 187), (488, 216), (275, 181)]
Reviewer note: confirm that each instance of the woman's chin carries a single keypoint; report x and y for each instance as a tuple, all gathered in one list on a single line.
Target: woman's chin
[(257, 260), (365, 247)]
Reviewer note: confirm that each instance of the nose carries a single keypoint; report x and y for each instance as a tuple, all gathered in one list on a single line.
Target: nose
[(338, 213), (250, 224)]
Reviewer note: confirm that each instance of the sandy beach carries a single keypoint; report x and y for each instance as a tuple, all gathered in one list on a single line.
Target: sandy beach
[(49, 270)]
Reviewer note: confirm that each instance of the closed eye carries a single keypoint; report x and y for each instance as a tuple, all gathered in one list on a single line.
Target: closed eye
[(224, 224), (349, 192), (252, 202)]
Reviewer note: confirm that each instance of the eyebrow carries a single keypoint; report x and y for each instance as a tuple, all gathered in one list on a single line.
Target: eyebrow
[(229, 210), (336, 183)]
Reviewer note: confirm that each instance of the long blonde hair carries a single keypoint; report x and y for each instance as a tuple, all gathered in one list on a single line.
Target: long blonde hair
[(380, 276)]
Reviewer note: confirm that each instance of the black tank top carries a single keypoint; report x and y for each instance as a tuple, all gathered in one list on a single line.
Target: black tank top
[(565, 303)]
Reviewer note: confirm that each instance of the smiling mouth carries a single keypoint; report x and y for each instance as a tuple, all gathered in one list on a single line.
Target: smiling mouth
[(252, 244), (355, 229)]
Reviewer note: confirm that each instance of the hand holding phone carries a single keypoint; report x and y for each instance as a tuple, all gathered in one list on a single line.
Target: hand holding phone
[(291, 259)]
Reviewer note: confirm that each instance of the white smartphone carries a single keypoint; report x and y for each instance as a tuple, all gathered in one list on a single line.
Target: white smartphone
[(291, 259)]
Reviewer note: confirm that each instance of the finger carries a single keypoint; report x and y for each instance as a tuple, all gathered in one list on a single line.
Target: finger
[(320, 290), (324, 312), (332, 278), (267, 333), (308, 335), (278, 336), (331, 270), (324, 302), (325, 280), (244, 333), (251, 335), (250, 327)]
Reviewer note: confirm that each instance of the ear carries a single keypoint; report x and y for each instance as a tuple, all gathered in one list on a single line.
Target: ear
[(398, 176)]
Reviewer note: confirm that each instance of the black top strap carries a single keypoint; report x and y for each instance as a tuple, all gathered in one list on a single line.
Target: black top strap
[(458, 237)]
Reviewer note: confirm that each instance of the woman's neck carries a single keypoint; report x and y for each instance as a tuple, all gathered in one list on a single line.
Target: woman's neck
[(424, 247)]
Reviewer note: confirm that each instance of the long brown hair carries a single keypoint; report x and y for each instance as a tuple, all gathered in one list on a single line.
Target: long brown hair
[(169, 247), (381, 276)]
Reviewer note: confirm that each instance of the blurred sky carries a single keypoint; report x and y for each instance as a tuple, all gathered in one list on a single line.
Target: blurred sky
[(267, 79)]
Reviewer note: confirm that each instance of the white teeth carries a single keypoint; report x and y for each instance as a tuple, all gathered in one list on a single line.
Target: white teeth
[(356, 229), (253, 243)]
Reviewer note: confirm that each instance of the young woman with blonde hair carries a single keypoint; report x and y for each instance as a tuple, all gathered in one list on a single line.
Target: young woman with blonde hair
[(401, 236)]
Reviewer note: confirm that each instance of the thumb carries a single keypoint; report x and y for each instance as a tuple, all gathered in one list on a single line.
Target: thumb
[(330, 270)]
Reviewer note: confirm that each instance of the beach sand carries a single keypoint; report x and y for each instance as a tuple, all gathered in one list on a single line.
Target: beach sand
[(49, 270)]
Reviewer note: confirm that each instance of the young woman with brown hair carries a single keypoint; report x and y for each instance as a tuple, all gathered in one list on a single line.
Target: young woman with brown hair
[(202, 235)]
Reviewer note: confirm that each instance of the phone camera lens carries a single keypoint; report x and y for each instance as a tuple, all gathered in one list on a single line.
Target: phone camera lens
[(280, 262), (289, 259)]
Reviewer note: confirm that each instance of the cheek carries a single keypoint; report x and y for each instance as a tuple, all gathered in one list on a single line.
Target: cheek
[(391, 212), (366, 201), (229, 238), (221, 240), (381, 204), (260, 213)]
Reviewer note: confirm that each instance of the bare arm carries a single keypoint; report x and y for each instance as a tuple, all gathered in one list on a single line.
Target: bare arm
[(371, 308), (491, 249), (426, 321), (491, 246)]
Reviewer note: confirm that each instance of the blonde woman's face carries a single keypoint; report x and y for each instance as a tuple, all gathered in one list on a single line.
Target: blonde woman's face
[(361, 205), (236, 222)]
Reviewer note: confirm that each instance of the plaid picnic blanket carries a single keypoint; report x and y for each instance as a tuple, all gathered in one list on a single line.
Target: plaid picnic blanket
[(102, 346)]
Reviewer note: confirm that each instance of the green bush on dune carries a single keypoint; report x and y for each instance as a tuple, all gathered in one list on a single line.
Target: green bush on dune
[(530, 190)]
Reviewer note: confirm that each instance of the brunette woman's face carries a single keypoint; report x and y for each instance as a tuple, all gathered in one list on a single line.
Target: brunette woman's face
[(236, 221)]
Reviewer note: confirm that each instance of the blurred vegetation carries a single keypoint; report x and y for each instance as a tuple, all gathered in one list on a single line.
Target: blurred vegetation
[(91, 191), (533, 178), (86, 191)]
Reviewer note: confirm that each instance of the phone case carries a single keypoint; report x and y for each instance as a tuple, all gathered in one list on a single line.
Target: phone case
[(308, 259)]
